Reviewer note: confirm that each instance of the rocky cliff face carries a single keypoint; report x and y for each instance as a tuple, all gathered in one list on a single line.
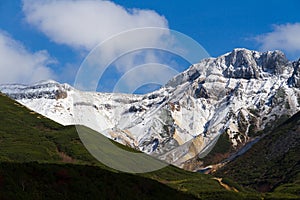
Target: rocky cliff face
[(237, 94), (294, 80)]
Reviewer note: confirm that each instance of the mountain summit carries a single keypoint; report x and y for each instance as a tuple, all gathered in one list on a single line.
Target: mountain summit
[(234, 95)]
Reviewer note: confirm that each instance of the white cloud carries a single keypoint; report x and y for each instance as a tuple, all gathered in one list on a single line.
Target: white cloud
[(85, 23), (284, 37), (18, 65)]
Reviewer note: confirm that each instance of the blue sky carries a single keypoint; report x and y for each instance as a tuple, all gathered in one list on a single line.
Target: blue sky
[(50, 39)]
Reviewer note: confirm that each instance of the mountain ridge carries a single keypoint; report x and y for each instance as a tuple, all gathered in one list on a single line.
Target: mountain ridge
[(238, 93)]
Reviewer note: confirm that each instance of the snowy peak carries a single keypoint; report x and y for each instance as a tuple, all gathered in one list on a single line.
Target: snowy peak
[(243, 63), (238, 64)]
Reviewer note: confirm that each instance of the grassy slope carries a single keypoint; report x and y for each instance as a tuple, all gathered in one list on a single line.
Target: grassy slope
[(272, 164), (33, 155)]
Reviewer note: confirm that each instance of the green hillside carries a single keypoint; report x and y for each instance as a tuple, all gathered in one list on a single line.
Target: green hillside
[(40, 159), (272, 164)]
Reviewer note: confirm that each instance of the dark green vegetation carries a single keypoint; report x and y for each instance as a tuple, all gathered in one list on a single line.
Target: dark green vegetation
[(40, 159), (69, 181), (272, 164), (220, 151)]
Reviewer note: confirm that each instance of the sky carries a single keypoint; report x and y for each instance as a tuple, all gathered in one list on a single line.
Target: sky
[(47, 39)]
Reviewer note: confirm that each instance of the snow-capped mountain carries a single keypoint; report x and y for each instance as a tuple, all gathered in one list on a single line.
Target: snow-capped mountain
[(237, 94)]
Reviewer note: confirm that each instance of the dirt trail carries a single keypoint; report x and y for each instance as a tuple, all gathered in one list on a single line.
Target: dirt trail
[(227, 187)]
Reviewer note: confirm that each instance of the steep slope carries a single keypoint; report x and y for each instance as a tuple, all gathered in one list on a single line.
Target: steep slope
[(40, 159), (271, 162), (238, 94), (27, 136)]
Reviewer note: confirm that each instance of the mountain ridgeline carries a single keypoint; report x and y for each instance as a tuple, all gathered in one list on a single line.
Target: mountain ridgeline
[(235, 96)]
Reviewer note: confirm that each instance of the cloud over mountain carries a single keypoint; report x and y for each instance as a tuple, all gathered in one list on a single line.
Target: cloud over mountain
[(84, 24), (284, 37), (19, 65)]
